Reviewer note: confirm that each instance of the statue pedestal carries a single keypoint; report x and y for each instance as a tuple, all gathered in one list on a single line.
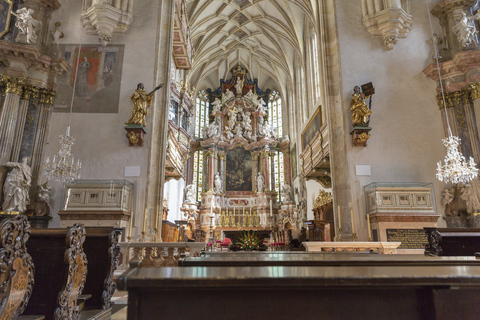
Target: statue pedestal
[(360, 136), (135, 133)]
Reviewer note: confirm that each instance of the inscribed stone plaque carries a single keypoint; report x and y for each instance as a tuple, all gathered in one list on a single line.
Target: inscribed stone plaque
[(410, 238)]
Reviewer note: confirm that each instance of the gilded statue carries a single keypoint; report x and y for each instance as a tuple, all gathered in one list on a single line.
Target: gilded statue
[(359, 108), (141, 102)]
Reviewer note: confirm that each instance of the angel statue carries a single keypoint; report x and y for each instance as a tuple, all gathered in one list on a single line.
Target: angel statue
[(27, 25), (465, 29), (17, 185), (260, 179), (218, 183), (190, 193), (286, 193), (217, 106), (359, 108), (141, 102)]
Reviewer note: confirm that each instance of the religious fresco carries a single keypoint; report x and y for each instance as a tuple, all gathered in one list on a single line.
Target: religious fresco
[(312, 127), (239, 170), (98, 79)]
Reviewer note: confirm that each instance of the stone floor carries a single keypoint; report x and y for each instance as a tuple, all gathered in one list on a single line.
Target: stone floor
[(119, 310)]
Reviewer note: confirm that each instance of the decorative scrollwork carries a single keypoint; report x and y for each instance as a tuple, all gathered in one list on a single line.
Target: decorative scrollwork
[(16, 267), (434, 242), (77, 274), (109, 284)]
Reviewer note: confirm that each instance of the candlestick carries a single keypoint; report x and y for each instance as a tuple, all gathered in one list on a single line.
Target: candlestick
[(339, 218), (130, 226), (369, 228), (353, 224), (144, 221)]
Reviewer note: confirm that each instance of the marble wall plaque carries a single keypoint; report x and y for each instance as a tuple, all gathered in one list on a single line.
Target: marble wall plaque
[(410, 238)]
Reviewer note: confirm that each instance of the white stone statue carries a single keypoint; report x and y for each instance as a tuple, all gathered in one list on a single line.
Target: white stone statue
[(238, 130), (464, 29), (56, 35), (228, 133), (42, 207), (238, 86), (213, 129), (471, 196), (217, 105), (27, 25), (218, 183), (261, 106), (252, 97), (286, 194), (190, 193), (227, 95), (260, 182), (17, 185)]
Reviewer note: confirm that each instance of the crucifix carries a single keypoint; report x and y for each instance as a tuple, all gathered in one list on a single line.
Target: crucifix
[(234, 112)]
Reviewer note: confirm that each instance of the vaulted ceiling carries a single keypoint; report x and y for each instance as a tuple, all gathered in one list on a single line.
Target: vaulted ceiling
[(264, 35)]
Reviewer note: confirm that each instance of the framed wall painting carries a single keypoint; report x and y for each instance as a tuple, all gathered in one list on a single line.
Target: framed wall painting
[(312, 127)]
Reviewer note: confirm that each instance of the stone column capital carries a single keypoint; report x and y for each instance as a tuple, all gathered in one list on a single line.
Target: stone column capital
[(12, 84)]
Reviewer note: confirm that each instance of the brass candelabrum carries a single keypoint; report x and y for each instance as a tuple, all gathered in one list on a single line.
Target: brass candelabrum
[(143, 236), (370, 239)]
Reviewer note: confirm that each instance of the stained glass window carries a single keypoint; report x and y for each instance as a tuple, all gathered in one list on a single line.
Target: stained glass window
[(275, 112), (201, 113)]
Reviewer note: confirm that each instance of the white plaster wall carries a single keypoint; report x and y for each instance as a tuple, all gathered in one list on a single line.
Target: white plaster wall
[(173, 192), (405, 141), (101, 143)]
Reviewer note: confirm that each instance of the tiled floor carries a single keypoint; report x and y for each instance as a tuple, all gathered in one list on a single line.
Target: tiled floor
[(119, 310)]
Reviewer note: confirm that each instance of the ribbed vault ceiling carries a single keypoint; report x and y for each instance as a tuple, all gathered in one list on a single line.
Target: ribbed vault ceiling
[(263, 35)]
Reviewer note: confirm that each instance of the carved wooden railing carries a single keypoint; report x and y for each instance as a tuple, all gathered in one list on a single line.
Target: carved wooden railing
[(77, 274), (114, 252), (156, 254), (16, 267)]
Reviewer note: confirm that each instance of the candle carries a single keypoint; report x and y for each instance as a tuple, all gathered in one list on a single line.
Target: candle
[(144, 221), (369, 228), (156, 217), (130, 227), (271, 210), (353, 224), (339, 218)]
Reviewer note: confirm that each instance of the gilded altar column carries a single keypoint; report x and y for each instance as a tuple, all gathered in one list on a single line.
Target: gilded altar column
[(272, 170), (266, 169), (29, 93), (211, 169), (45, 106), (13, 88), (222, 165), (255, 158)]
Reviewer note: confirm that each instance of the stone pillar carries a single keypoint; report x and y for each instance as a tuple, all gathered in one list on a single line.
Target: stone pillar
[(8, 121), (255, 157), (45, 112), (266, 169), (210, 154), (287, 167), (159, 111), (272, 171)]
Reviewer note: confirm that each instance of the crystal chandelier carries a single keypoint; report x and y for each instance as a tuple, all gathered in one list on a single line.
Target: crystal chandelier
[(455, 169), (63, 166)]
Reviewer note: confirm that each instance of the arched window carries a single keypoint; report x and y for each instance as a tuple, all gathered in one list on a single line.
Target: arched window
[(316, 73), (198, 172), (201, 113), (275, 112), (279, 173)]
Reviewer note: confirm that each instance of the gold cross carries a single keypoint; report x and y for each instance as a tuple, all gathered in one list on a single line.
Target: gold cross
[(234, 111)]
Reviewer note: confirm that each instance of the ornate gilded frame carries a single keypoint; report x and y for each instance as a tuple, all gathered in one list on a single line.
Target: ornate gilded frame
[(8, 18), (308, 127)]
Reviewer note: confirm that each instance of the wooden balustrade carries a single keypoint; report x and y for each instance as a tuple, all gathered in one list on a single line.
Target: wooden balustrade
[(382, 247), (156, 254)]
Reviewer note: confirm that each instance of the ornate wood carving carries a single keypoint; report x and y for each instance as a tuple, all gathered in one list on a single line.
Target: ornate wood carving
[(434, 241), (77, 274), (114, 252), (16, 267)]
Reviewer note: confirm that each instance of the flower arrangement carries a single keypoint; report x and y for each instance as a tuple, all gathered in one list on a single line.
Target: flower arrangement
[(248, 241)]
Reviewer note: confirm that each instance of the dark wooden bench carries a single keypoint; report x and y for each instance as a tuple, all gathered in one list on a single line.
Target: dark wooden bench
[(452, 241), (102, 250), (16, 267), (327, 292), (60, 272), (320, 259)]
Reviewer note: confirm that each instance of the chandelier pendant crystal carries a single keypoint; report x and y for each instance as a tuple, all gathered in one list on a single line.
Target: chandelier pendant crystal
[(63, 166), (456, 169)]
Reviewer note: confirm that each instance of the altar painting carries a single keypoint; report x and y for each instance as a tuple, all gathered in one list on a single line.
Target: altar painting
[(98, 76), (6, 7), (311, 129), (239, 170)]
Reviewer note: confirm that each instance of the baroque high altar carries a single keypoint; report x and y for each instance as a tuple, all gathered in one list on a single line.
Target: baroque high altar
[(239, 146)]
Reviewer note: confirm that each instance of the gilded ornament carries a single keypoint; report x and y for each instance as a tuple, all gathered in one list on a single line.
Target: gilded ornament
[(322, 199), (474, 91), (133, 137), (12, 84), (363, 137)]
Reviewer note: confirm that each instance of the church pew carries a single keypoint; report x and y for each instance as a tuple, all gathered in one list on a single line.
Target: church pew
[(103, 251), (16, 267), (60, 272), (322, 259), (452, 241), (328, 292)]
